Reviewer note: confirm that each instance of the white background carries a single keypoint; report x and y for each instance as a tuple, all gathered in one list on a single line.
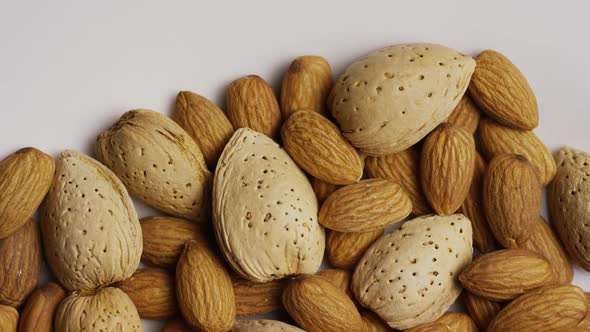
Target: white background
[(69, 69)]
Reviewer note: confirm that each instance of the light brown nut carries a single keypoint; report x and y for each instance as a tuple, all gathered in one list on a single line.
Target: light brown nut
[(410, 277), (253, 298), (204, 289), (177, 325), (265, 211), (365, 206), (263, 325), (39, 312), (20, 264), (446, 167), (556, 308), (502, 92), (91, 233), (340, 278), (317, 146), (100, 311), (404, 168), (251, 103), (306, 85), (317, 305), (158, 162), (8, 318), (495, 139), (451, 322), (506, 274), (25, 178), (323, 189), (430, 327), (164, 239), (481, 310), (344, 250), (372, 323), (389, 100), (205, 123), (152, 291), (465, 115)]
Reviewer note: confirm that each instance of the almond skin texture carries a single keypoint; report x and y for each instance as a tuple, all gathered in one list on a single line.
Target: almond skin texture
[(404, 168), (506, 274), (8, 318), (205, 123), (317, 305), (306, 85), (372, 323), (481, 310), (317, 146), (152, 292), (366, 206), (465, 115), (323, 189), (102, 311), (177, 326), (340, 278), (344, 250), (25, 178), (446, 167), (164, 239), (20, 264), (512, 198), (263, 325), (39, 311), (253, 298), (568, 203), (495, 139), (251, 103), (430, 327), (451, 322), (204, 289), (502, 92), (557, 308), (158, 162)]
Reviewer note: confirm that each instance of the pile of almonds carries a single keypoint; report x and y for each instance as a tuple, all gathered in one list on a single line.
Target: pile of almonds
[(252, 198)]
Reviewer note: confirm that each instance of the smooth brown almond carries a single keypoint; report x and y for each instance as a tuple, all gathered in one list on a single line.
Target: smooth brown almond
[(254, 298), (152, 292), (502, 92), (372, 323), (251, 103), (344, 250), (506, 274), (323, 189), (340, 278), (177, 325), (446, 167), (481, 310), (39, 311), (25, 178), (8, 318), (430, 327), (466, 114), (205, 123), (365, 206), (317, 305), (306, 85), (317, 146), (557, 308), (458, 322), (203, 289), (20, 264), (404, 168)]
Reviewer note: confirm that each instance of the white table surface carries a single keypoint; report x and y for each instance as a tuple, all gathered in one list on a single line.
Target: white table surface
[(69, 69)]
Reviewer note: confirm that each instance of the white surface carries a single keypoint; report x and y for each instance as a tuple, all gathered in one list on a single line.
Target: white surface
[(68, 69)]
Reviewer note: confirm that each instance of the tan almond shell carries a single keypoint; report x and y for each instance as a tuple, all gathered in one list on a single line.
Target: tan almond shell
[(8, 318), (392, 98), (101, 311), (344, 250), (158, 162), (481, 310), (90, 229), (466, 114), (39, 312), (410, 277), (265, 211), (263, 325)]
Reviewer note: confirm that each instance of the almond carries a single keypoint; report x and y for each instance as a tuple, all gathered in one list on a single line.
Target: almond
[(317, 146), (557, 308), (466, 115), (481, 310), (204, 289), (317, 305), (263, 325), (502, 92), (177, 325), (404, 168), (323, 189), (205, 123), (39, 311), (306, 85), (495, 139), (20, 264), (446, 167), (25, 178), (431, 327), (254, 298), (251, 103), (365, 206), (152, 292), (340, 278), (344, 250), (8, 318), (451, 322), (506, 274), (372, 323)]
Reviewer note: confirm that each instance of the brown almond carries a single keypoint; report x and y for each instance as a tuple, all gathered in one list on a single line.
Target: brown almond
[(39, 311), (205, 123), (365, 206), (466, 114), (177, 325), (306, 85), (446, 167), (372, 323), (251, 103), (344, 250), (404, 168), (430, 327), (323, 189), (8, 318), (481, 310), (255, 298), (317, 146), (458, 322), (340, 278)]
